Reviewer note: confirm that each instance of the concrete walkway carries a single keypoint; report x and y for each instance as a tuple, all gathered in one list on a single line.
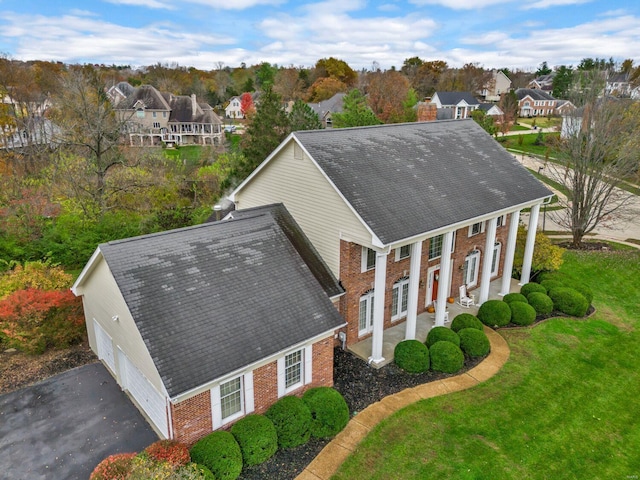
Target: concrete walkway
[(345, 443)]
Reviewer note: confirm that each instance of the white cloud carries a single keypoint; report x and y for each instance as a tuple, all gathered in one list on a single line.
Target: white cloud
[(460, 4), (553, 3), (236, 4), (144, 3)]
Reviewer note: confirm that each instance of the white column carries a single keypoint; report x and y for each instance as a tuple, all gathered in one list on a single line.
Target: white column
[(445, 275), (490, 241), (414, 283), (531, 241), (378, 307), (510, 252)]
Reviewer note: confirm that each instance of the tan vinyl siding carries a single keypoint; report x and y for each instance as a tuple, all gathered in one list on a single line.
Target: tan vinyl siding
[(314, 203), (102, 300)]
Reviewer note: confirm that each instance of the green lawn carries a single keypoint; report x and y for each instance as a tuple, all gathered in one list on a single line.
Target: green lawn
[(528, 143), (190, 154), (565, 406), (541, 122)]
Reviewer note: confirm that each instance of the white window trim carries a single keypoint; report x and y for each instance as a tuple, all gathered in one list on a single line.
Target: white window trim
[(497, 249), (247, 400), (453, 246), (368, 328), (399, 314), (363, 259), (397, 253), (306, 374), (471, 234), (501, 221)]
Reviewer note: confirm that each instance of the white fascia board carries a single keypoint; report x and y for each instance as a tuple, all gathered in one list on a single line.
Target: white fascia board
[(465, 223), (88, 268), (254, 365), (232, 197)]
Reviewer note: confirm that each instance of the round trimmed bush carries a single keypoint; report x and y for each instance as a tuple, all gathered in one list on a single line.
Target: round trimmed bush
[(220, 453), (569, 301), (116, 466), (466, 320), (446, 357), (522, 313), (531, 287), (551, 284), (583, 289), (193, 471), (494, 313), (438, 334), (474, 342), (412, 356), (554, 275), (329, 411), (514, 297), (541, 303), (175, 453), (256, 435), (292, 419)]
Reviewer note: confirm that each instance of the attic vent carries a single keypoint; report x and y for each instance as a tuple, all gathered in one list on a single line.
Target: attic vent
[(297, 151)]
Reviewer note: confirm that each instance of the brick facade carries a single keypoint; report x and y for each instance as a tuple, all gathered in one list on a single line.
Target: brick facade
[(192, 418), (357, 283)]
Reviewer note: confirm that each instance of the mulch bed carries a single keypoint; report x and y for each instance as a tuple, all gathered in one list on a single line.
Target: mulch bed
[(360, 385)]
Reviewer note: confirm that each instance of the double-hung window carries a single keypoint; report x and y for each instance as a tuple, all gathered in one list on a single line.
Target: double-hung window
[(435, 245), (400, 298), (403, 252), (232, 399), (476, 228), (368, 259), (294, 370)]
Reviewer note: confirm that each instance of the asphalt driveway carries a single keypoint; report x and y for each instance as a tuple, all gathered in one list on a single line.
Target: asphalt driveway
[(62, 427)]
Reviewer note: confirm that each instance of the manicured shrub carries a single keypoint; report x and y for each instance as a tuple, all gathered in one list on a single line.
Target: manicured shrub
[(170, 451), (192, 471), (583, 289), (552, 283), (292, 419), (329, 410), (556, 279), (114, 467), (446, 357), (531, 287), (220, 453), (143, 466), (38, 274), (569, 301), (494, 313), (514, 297), (474, 342), (437, 334), (466, 320), (541, 302), (522, 313), (412, 356), (256, 435)]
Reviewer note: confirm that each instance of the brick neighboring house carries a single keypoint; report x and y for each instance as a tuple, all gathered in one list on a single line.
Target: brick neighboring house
[(535, 103), (462, 103), (205, 324), (402, 214), (157, 118)]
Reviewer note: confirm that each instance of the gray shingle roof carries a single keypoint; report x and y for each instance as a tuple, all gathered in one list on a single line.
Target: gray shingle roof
[(216, 297), (409, 179), (454, 98), (333, 105), (534, 93)]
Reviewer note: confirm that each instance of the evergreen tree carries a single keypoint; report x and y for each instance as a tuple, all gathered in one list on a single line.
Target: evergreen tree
[(302, 117), (562, 81), (355, 112)]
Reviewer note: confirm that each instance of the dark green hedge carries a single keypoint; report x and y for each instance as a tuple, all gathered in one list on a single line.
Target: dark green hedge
[(292, 419), (412, 356), (569, 301), (437, 334), (531, 287), (446, 357), (494, 313), (220, 453), (514, 297), (329, 411), (541, 302), (256, 435), (466, 320), (522, 313), (474, 342)]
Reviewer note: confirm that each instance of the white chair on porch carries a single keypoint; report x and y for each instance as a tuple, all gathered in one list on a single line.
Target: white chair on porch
[(446, 312), (465, 299)]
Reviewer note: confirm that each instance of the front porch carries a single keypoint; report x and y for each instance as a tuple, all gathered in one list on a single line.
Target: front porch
[(425, 322)]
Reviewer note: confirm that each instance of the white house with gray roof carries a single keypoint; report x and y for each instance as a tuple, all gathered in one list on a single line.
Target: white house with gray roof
[(205, 324), (462, 103), (402, 214)]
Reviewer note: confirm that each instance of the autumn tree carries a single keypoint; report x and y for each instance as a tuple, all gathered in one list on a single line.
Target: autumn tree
[(302, 117), (427, 76), (599, 151), (335, 68), (547, 257), (387, 92), (325, 88), (247, 108), (289, 84), (355, 112), (509, 106)]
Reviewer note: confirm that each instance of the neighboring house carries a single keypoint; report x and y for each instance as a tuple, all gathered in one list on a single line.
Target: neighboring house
[(327, 108), (535, 103), (155, 118), (463, 103), (491, 109), (206, 324), (28, 132), (618, 85), (233, 110), (402, 214), (564, 107), (498, 84), (119, 92), (543, 82)]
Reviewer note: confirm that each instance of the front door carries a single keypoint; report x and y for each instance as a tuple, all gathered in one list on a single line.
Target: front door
[(471, 265), (365, 319), (434, 285)]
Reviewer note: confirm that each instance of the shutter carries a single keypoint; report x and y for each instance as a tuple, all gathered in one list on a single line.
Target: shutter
[(216, 409), (308, 363), (248, 393), (281, 380)]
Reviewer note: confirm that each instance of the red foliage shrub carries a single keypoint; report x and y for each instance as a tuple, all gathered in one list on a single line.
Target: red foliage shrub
[(114, 467), (175, 453), (32, 319)]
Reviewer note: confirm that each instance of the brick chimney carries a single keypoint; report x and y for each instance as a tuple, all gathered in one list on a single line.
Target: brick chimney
[(427, 112)]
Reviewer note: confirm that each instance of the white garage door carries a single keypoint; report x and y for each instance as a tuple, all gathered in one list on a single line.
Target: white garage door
[(105, 346), (151, 401)]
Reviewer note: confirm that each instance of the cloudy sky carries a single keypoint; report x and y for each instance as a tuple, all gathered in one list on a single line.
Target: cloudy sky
[(203, 33)]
